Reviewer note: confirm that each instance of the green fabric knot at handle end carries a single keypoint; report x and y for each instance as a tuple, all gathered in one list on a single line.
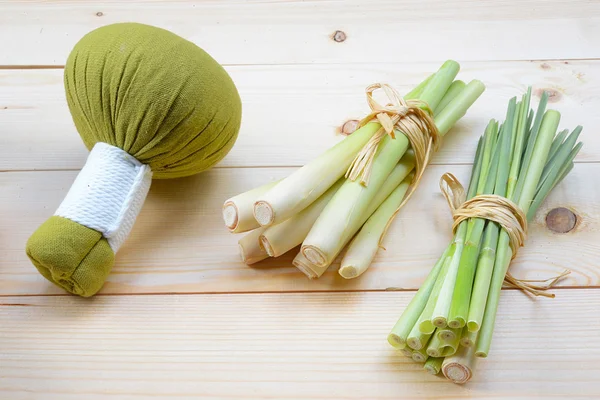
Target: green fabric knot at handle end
[(72, 256)]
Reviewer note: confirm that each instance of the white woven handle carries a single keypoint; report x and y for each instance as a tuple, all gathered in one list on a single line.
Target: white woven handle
[(108, 193)]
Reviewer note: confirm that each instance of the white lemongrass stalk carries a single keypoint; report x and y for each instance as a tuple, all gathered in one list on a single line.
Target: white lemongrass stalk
[(400, 171), (342, 216), (459, 367), (281, 238), (238, 211), (308, 183), (337, 222), (250, 250), (364, 246)]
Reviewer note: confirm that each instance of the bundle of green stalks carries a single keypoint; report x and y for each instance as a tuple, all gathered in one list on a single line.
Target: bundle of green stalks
[(319, 208), (450, 321)]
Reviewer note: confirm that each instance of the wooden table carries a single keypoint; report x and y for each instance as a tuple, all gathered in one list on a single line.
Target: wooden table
[(182, 317)]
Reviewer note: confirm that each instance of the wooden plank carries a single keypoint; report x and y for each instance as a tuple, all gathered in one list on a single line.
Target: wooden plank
[(293, 113), (293, 346), (275, 32), (180, 244)]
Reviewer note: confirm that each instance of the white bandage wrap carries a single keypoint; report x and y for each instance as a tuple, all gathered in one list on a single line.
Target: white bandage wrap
[(108, 193)]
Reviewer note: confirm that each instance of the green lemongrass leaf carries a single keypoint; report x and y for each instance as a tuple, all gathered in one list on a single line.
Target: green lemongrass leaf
[(532, 138), (490, 137), (515, 126), (561, 153), (539, 157), (527, 129), (557, 173), (557, 142), (519, 143), (564, 173)]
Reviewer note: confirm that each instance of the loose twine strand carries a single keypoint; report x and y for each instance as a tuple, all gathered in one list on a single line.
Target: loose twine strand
[(413, 118), (503, 211)]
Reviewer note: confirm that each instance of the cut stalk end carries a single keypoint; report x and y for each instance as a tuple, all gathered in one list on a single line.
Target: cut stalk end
[(432, 352), (302, 264), (264, 243), (230, 216), (481, 354), (407, 352), (447, 335), (473, 326), (314, 255), (396, 341), (414, 343), (457, 373), (426, 327), (457, 323), (348, 272), (418, 357), (440, 322), (263, 213)]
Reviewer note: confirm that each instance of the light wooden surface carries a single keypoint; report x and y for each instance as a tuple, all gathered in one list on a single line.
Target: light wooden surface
[(281, 346), (182, 317)]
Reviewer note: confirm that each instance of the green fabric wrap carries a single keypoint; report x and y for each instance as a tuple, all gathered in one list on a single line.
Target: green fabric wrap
[(155, 95)]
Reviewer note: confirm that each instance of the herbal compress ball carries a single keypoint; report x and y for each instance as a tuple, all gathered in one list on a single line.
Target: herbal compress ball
[(148, 104)]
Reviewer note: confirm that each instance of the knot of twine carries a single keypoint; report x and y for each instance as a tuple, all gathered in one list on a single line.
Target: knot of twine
[(487, 206), (502, 211), (410, 117), (413, 118)]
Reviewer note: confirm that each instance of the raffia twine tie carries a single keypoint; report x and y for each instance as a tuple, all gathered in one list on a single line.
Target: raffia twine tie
[(502, 211), (413, 118)]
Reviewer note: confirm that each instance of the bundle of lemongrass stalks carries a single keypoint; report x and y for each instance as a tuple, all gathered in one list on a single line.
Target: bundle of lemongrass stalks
[(450, 320), (349, 194)]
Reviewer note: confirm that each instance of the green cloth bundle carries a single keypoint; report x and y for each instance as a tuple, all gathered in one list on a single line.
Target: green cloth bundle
[(147, 104)]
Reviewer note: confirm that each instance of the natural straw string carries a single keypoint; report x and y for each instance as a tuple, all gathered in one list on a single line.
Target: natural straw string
[(487, 206), (413, 118), (498, 209)]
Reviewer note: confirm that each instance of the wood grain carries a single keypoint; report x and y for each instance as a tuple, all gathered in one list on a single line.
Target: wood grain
[(292, 346), (293, 113), (292, 32), (180, 243)]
